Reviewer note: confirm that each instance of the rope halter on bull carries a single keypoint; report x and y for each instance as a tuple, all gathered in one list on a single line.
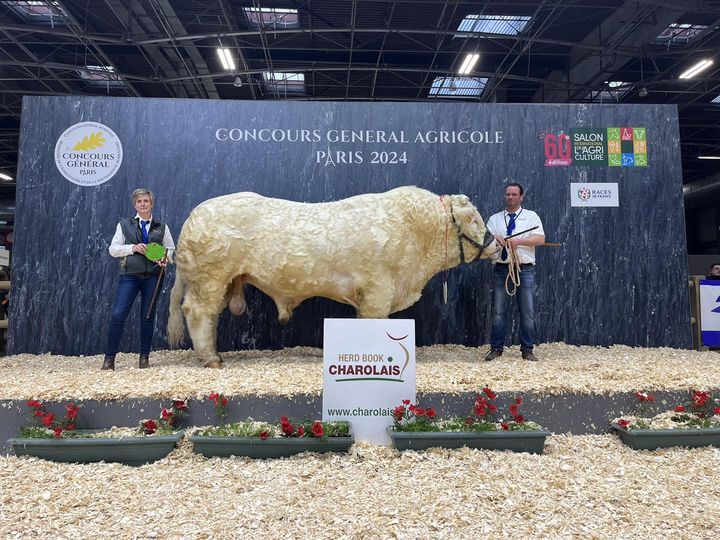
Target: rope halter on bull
[(460, 237)]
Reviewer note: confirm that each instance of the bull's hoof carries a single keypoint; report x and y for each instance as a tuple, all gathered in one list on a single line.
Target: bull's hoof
[(215, 364)]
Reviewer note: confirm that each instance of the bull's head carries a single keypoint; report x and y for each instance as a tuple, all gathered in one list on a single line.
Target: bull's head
[(474, 240)]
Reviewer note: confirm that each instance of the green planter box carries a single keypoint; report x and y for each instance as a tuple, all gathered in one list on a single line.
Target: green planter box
[(255, 447), (650, 439), (517, 441), (128, 450)]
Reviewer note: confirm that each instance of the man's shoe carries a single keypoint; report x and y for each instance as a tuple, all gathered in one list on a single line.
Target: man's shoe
[(492, 355), (528, 355), (144, 361), (108, 363)]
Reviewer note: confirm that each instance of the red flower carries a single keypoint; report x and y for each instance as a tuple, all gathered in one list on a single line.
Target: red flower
[(57, 432), (623, 423), (644, 396), (519, 419), (406, 402), (699, 398), (679, 408), (47, 420), (505, 426), (518, 400), (150, 426), (419, 411), (513, 409), (716, 410), (213, 396), (223, 401), (284, 420), (287, 428), (72, 411), (492, 408), (167, 415), (35, 404), (301, 431), (398, 413), (317, 429), (489, 393), (38, 412), (264, 435), (412, 408), (430, 413), (180, 405)]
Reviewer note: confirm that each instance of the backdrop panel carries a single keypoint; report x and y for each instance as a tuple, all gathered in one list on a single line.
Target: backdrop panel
[(619, 275)]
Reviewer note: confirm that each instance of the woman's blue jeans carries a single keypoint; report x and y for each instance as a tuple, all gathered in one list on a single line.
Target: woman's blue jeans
[(127, 290), (526, 306)]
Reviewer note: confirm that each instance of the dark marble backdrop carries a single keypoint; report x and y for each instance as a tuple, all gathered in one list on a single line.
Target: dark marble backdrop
[(619, 276)]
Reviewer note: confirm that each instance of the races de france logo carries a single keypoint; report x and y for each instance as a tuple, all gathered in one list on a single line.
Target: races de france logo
[(583, 194), (88, 154)]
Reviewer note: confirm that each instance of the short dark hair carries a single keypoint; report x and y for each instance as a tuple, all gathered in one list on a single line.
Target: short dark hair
[(515, 184), (713, 265)]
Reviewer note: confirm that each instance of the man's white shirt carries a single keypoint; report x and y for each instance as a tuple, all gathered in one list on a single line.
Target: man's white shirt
[(524, 220)]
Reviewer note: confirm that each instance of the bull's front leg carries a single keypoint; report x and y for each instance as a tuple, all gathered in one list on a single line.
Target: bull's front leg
[(374, 302)]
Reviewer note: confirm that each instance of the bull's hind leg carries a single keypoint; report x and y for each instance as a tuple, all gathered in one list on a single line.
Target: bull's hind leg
[(202, 309)]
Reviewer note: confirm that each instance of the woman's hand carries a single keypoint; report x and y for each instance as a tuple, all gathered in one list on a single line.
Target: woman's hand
[(139, 248)]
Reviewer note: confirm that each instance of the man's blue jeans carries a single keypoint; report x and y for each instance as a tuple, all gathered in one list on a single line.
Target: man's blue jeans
[(127, 290), (526, 306)]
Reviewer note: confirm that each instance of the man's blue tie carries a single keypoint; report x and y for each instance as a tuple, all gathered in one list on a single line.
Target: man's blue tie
[(143, 227), (510, 229)]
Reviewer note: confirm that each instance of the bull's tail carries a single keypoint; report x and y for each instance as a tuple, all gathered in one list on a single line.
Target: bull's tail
[(176, 328)]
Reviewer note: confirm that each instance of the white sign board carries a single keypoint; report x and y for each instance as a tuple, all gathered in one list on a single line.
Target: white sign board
[(710, 312), (594, 194), (368, 369)]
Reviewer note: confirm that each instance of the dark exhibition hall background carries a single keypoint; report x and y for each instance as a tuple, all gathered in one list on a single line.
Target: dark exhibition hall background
[(525, 68)]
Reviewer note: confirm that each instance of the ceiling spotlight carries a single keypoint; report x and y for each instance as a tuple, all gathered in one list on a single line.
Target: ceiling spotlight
[(226, 58), (468, 64), (237, 83), (5, 176), (642, 92), (697, 68)]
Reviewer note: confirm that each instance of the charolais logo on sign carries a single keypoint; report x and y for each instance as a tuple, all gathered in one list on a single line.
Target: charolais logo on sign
[(594, 194), (613, 147), (372, 366), (88, 153), (368, 369)]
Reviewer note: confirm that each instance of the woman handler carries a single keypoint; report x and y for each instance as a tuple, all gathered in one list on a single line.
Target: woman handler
[(137, 274)]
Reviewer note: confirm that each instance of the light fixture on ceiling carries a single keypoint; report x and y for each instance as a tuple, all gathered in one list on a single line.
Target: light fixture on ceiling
[(642, 92), (226, 59), (237, 83), (468, 64), (697, 68), (708, 157), (4, 176)]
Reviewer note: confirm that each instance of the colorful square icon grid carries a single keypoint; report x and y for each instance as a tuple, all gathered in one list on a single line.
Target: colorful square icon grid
[(627, 147)]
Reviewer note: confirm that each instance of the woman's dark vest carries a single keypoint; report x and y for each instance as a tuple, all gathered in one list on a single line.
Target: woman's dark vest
[(137, 264)]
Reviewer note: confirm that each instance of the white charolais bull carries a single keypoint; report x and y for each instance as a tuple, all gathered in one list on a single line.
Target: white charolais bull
[(375, 252)]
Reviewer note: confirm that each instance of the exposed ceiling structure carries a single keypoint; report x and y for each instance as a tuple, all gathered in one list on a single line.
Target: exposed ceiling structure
[(385, 50)]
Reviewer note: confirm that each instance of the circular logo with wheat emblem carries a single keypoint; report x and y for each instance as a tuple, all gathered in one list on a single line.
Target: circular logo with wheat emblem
[(88, 154), (583, 194)]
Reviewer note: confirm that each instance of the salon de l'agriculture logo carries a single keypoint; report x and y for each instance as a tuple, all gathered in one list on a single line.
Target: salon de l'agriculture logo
[(604, 147)]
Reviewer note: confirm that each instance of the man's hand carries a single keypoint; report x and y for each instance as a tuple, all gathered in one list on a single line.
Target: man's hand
[(162, 262), (500, 240), (139, 248)]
